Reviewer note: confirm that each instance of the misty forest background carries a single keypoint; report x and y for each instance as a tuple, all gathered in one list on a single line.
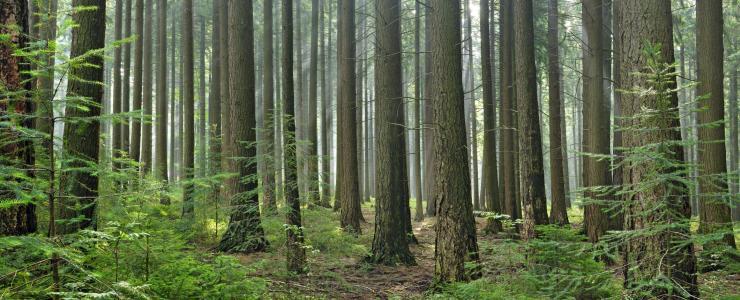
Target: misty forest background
[(361, 149)]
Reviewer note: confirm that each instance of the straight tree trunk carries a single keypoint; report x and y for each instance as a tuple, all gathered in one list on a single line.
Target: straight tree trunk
[(596, 173), (509, 164), (362, 74), (268, 111), (161, 118), (279, 118), (126, 94), (325, 200), (173, 161), (348, 184), (244, 234), (138, 82), (617, 222), (296, 253), (473, 134), (429, 156), (45, 82), (558, 213), (188, 116), (312, 156), (714, 211), (226, 105), (390, 243), (81, 139), (202, 96), (147, 87), (17, 152), (530, 144), (417, 114), (117, 98), (734, 153), (659, 253), (456, 242), (490, 174)]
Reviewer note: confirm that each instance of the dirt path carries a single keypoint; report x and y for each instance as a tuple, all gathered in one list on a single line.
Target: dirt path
[(351, 277)]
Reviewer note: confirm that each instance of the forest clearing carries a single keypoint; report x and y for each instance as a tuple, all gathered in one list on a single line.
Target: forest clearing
[(369, 149)]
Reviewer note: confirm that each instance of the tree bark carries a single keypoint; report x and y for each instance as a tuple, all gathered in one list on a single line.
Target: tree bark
[(714, 208), (244, 234), (147, 87), (509, 163), (325, 200), (490, 159), (268, 111), (456, 241), (390, 243), (175, 159), (296, 253), (348, 194), (429, 163), (655, 253), (160, 170), (117, 98), (532, 175), (226, 105), (596, 173), (312, 155), (202, 97), (138, 82), (17, 152), (81, 139), (558, 213), (188, 104), (417, 115)]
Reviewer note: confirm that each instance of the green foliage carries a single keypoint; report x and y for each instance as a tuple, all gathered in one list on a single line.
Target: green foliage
[(485, 289), (562, 265)]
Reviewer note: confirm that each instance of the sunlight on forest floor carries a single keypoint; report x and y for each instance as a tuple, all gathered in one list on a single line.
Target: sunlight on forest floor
[(337, 268)]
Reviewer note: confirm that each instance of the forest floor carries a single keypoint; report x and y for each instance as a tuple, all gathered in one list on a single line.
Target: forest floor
[(337, 267)]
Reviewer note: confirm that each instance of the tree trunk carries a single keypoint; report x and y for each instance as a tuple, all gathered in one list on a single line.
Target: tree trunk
[(390, 244), (147, 87), (417, 115), (490, 159), (325, 200), (509, 163), (429, 163), (138, 82), (174, 160), (596, 126), (214, 99), (617, 221), (268, 111), (296, 253), (532, 179), (81, 139), (714, 210), (456, 242), (17, 152), (734, 153), (244, 234), (312, 155), (188, 104), (226, 105), (160, 170), (202, 97), (559, 213), (117, 98), (126, 93), (348, 184), (660, 253)]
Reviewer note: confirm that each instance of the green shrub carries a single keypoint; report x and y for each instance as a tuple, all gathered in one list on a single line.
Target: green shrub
[(563, 266)]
